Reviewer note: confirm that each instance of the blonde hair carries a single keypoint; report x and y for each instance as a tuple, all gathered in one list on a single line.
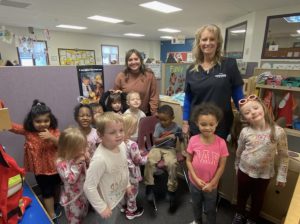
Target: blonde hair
[(197, 52), (268, 119), (129, 121), (132, 93), (108, 117), (71, 141)]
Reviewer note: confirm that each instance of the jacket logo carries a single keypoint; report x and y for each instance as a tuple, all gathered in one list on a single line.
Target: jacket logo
[(221, 75)]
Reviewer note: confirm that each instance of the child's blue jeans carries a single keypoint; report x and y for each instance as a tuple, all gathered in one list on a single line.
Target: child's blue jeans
[(208, 199)]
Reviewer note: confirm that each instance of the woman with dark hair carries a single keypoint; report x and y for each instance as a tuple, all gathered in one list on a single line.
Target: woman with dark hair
[(136, 77), (211, 78)]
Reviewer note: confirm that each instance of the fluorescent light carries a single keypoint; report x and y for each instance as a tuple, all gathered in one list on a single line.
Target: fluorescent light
[(169, 30), (71, 27), (295, 35), (292, 19), (166, 37), (105, 19), (238, 31), (134, 34), (161, 7)]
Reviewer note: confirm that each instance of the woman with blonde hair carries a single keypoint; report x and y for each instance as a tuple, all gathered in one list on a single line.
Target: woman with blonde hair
[(211, 78)]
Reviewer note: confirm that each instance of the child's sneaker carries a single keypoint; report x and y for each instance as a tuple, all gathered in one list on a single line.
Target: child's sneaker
[(131, 215), (238, 219)]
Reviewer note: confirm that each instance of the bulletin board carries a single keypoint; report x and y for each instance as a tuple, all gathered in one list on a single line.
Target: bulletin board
[(76, 57)]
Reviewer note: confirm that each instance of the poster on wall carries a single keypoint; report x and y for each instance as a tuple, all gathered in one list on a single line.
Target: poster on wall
[(179, 57), (175, 78), (91, 82), (156, 68), (76, 57)]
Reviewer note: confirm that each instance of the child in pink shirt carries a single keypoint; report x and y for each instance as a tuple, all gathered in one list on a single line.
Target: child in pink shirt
[(206, 161)]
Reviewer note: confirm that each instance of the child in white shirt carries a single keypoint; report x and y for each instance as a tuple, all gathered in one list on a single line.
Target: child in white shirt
[(107, 178), (133, 100)]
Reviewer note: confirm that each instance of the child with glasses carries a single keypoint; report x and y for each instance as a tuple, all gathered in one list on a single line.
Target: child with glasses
[(258, 144)]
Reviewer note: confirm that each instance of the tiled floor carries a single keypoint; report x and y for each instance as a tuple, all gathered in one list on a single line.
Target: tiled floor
[(183, 214)]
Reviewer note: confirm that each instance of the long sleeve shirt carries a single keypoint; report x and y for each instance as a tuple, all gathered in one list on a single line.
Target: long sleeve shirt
[(40, 154), (145, 85), (107, 178), (256, 153)]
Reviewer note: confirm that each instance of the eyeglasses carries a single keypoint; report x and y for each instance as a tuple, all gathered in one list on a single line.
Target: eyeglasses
[(245, 100)]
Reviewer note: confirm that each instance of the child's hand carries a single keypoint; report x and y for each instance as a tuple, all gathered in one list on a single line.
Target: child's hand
[(208, 187), (200, 183), (280, 184), (129, 190), (106, 213), (46, 135)]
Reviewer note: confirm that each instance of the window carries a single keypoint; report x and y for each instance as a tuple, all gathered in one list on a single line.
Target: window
[(235, 40), (282, 37), (34, 53), (110, 54)]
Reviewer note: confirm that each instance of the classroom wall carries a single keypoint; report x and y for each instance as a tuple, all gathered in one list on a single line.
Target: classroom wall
[(57, 86), (61, 39), (256, 24)]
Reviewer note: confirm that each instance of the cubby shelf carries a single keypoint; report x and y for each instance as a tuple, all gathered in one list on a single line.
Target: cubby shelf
[(292, 132), (284, 88)]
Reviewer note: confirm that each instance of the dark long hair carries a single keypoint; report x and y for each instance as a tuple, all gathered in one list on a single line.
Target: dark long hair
[(38, 108), (127, 70)]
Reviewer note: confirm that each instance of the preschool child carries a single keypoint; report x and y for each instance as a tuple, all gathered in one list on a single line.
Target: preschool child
[(258, 144), (71, 166), (165, 137), (41, 137), (134, 160), (133, 100), (83, 115), (97, 109), (114, 101), (107, 178), (206, 160)]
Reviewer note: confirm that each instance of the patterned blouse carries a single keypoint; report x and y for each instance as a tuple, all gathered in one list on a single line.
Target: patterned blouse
[(134, 160), (256, 153), (39, 155)]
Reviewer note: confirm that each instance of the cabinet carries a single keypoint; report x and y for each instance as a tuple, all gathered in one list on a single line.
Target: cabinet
[(279, 92)]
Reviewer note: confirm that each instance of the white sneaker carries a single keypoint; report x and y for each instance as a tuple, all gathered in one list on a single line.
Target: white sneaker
[(194, 222)]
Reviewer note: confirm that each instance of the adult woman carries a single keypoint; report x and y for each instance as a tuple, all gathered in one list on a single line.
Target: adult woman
[(211, 78), (136, 77)]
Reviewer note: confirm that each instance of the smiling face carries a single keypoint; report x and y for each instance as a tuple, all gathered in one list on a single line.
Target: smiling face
[(208, 43), (134, 101), (113, 134), (41, 122), (207, 124), (84, 118), (253, 112), (134, 63), (116, 106)]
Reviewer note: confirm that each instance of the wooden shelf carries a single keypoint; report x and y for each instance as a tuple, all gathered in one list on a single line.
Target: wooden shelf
[(292, 132), (285, 88)]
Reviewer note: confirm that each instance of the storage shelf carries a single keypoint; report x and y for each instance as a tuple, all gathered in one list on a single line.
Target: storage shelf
[(292, 132), (285, 88)]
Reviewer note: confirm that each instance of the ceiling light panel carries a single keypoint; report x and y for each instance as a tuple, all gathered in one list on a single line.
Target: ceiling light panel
[(166, 37), (134, 34), (169, 30), (71, 27), (160, 7), (105, 19)]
